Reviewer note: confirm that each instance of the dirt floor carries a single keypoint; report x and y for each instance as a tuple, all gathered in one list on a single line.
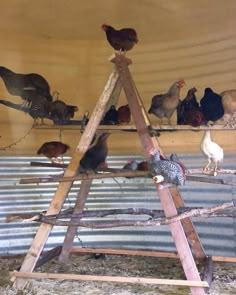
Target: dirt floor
[(224, 282)]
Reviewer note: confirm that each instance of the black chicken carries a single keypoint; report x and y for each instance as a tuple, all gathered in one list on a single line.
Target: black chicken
[(111, 116), (61, 111), (39, 108), (211, 105), (123, 39), (27, 86), (189, 111), (95, 155)]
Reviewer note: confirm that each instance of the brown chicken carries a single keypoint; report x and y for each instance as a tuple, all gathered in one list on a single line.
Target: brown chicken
[(164, 105), (122, 40), (229, 105), (124, 114), (96, 154), (143, 166), (61, 111), (52, 150)]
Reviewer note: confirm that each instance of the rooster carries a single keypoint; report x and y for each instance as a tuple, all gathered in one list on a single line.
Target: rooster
[(95, 155), (167, 171), (124, 114), (111, 116), (27, 86), (188, 110), (212, 151), (122, 40), (52, 150), (164, 105), (211, 105), (229, 106)]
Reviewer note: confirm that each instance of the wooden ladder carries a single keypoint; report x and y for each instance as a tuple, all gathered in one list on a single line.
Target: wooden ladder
[(183, 233)]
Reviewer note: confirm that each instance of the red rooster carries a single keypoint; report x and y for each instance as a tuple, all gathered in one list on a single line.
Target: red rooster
[(52, 150), (124, 114), (122, 40)]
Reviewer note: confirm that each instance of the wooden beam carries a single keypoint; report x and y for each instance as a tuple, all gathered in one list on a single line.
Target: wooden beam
[(165, 195), (114, 279), (71, 230), (64, 187), (48, 255)]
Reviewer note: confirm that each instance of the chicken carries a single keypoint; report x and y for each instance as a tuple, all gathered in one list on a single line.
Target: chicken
[(143, 166), (40, 108), (27, 86), (124, 114), (122, 40), (188, 110), (111, 116), (131, 165), (211, 150), (211, 105), (167, 171), (61, 111), (95, 155), (164, 105), (229, 106), (52, 150)]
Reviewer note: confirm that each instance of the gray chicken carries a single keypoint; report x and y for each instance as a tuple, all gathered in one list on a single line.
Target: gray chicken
[(131, 165), (171, 172)]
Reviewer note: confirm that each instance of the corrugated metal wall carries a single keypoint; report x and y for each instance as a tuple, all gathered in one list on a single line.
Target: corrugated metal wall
[(217, 234)]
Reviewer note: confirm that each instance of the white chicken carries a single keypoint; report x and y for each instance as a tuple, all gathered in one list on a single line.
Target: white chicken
[(212, 151)]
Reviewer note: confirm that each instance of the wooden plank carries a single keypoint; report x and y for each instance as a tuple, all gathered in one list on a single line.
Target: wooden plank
[(133, 280), (71, 230), (166, 199), (64, 187), (133, 127), (224, 259), (126, 252)]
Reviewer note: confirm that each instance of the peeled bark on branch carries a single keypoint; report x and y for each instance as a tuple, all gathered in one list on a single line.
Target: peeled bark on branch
[(151, 222)]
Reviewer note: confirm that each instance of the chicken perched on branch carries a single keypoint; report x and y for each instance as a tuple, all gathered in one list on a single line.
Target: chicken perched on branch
[(212, 151), (95, 155), (124, 114), (211, 105), (229, 106), (52, 150), (27, 86), (167, 171), (122, 40), (189, 111), (164, 105), (61, 111)]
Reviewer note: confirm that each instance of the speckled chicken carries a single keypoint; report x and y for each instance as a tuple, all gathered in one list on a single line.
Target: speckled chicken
[(229, 106), (96, 154), (124, 114), (27, 86), (211, 105), (189, 111), (167, 171), (123, 39), (164, 105), (52, 150), (211, 150)]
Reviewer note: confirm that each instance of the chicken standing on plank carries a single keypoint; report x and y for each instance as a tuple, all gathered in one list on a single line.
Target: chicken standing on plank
[(212, 151), (122, 40), (61, 111), (132, 165), (229, 106), (27, 86), (111, 116), (164, 105), (166, 171), (95, 155), (124, 114), (188, 110), (52, 150), (211, 105)]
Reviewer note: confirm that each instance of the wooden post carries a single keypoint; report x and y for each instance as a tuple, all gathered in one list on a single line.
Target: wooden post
[(64, 187), (71, 230), (168, 204)]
